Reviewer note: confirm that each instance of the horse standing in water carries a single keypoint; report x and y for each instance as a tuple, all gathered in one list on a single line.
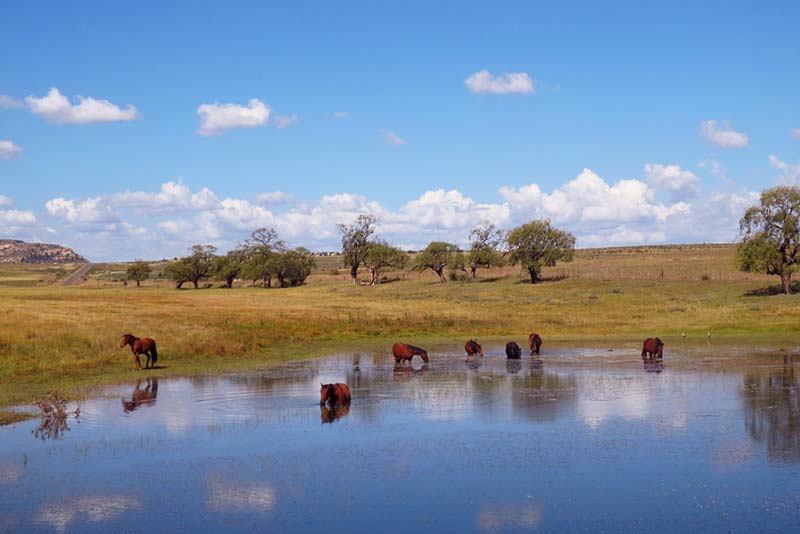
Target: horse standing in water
[(535, 341), (144, 345), (404, 353), (513, 351), (473, 348), (652, 348), (334, 394)]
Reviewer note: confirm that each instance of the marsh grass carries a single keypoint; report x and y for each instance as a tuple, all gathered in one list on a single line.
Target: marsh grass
[(68, 338)]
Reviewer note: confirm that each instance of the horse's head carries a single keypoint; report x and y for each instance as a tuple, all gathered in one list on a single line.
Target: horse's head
[(127, 339), (424, 355), (325, 392), (659, 343)]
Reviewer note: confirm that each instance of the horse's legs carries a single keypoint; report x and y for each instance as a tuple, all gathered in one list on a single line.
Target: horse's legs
[(147, 363), (138, 363)]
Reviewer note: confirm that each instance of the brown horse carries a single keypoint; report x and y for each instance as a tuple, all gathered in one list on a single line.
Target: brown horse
[(141, 396), (535, 341), (653, 348), (404, 353), (333, 394), (144, 345), (473, 348), (513, 351)]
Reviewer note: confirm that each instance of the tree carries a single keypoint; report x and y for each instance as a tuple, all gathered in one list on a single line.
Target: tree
[(262, 262), (356, 241), (381, 255), (195, 267), (229, 266), (179, 272), (436, 256), (138, 271), (258, 267), (295, 266), (485, 239), (770, 235), (538, 244)]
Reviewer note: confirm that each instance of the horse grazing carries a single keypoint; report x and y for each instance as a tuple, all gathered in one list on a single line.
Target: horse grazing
[(333, 394), (404, 353), (141, 396), (653, 348), (144, 345), (513, 351), (473, 348), (535, 341)]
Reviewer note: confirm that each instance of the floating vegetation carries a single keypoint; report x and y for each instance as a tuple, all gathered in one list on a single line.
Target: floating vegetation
[(54, 416)]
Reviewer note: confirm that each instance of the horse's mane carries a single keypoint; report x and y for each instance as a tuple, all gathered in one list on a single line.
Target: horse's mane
[(417, 349)]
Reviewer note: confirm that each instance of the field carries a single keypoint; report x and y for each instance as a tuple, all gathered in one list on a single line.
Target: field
[(67, 338)]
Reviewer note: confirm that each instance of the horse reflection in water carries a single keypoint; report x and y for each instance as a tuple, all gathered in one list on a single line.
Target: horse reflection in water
[(655, 365), (473, 363), (513, 366), (332, 413), (405, 372), (146, 395)]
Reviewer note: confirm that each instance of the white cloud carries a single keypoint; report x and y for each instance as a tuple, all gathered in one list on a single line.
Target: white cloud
[(340, 115), (681, 184), (8, 150), (275, 198), (90, 211), (218, 118), (795, 133), (6, 201), (513, 82), (7, 102), (790, 174), (17, 218), (282, 122), (174, 196), (56, 108), (722, 135), (392, 138)]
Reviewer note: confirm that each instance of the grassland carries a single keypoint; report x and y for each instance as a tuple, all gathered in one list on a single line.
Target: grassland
[(67, 338)]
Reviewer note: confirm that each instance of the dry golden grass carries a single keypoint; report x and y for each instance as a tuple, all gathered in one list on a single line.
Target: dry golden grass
[(68, 338)]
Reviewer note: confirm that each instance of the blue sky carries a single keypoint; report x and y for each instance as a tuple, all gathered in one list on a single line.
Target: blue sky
[(612, 90)]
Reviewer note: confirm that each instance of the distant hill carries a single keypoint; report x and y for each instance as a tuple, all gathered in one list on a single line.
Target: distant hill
[(15, 251)]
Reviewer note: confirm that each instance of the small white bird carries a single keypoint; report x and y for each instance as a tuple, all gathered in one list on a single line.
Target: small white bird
[(683, 335), (708, 334)]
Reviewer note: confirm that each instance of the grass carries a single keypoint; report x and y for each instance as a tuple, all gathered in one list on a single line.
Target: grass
[(68, 338)]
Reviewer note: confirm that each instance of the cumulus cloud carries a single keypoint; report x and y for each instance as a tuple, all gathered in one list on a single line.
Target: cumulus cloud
[(722, 135), (174, 196), (8, 150), (56, 108), (513, 82), (90, 211), (274, 198), (680, 183), (7, 102), (392, 138), (790, 174), (217, 118), (17, 218)]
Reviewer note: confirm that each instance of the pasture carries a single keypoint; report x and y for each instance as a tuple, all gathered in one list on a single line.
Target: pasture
[(68, 338)]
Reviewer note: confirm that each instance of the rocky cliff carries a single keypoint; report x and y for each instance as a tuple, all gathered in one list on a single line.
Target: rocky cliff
[(14, 251)]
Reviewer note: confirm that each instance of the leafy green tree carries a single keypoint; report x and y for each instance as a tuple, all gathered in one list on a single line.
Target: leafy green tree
[(538, 244), (356, 242), (485, 241), (258, 268), (770, 235), (295, 266), (138, 271), (381, 255), (229, 266), (179, 272), (193, 268), (262, 256), (436, 257)]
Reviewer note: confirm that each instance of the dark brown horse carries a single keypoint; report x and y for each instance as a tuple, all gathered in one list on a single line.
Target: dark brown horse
[(653, 348), (535, 341), (141, 396), (513, 352), (144, 345), (403, 353), (473, 348), (329, 414), (334, 394)]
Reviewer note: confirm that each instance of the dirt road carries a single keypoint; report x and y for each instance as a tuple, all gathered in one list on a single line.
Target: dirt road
[(76, 277)]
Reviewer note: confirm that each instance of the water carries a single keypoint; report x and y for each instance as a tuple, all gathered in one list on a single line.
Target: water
[(585, 440)]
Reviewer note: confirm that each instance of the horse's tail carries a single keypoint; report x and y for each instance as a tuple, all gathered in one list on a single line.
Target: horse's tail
[(155, 354)]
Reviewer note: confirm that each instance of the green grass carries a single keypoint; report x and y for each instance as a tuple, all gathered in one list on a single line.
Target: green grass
[(68, 338)]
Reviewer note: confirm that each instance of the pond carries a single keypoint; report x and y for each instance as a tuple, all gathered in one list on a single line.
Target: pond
[(587, 439)]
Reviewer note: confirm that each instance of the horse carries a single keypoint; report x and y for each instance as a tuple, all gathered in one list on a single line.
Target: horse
[(404, 353), (513, 351), (472, 347), (334, 394), (535, 341), (330, 414), (144, 345), (653, 348), (141, 396)]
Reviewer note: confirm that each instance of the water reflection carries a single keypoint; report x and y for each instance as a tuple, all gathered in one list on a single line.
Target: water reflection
[(94, 509), (238, 497), (329, 414), (473, 363), (141, 395), (772, 411), (653, 365), (404, 372), (513, 366)]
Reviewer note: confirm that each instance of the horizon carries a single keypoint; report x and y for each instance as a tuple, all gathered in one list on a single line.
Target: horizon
[(170, 126)]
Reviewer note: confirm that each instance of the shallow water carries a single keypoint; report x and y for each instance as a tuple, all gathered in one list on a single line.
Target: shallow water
[(584, 440)]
